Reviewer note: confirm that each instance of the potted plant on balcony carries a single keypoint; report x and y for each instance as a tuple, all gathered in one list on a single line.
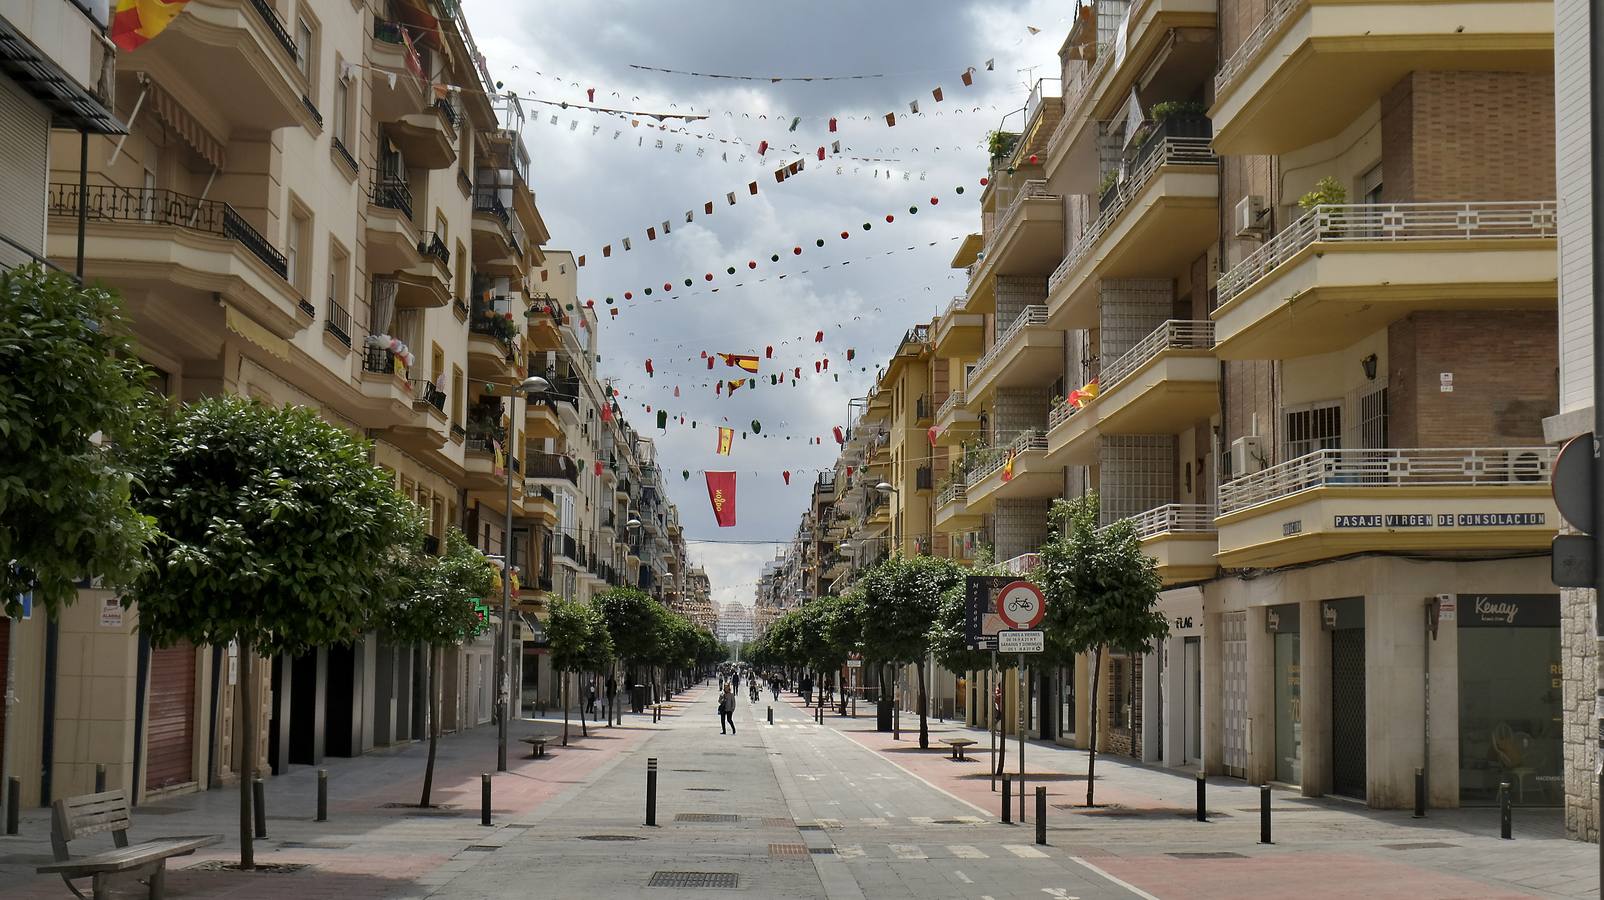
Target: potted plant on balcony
[(1001, 143), (1328, 191), (1108, 189)]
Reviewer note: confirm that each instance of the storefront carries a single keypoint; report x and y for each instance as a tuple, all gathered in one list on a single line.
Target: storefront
[(1509, 697), (1174, 710), (1345, 620), (1283, 624)]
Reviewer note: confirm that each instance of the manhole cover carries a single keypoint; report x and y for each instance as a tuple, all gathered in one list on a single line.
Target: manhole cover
[(1420, 845), (722, 818), (694, 880), (1208, 855), (610, 837), (711, 790), (480, 848), (218, 865), (797, 850)]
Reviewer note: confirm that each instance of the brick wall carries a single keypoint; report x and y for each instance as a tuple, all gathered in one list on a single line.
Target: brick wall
[(1468, 136), (1504, 364), (1249, 390)]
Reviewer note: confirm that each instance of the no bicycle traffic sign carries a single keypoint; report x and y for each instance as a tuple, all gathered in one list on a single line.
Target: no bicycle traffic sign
[(1021, 605)]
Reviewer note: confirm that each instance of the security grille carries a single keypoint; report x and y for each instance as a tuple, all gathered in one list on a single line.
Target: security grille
[(1313, 428), (720, 818), (1235, 634), (1348, 712), (666, 879)]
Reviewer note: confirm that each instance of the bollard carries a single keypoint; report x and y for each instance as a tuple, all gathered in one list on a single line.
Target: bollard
[(322, 795), (1506, 816), (651, 791), (259, 798), (1420, 793), (1007, 800), (100, 778), (484, 799), (771, 715), (1041, 816), (13, 803), (1202, 800), (1264, 815)]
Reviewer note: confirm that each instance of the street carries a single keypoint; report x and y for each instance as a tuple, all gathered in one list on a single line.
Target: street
[(799, 810)]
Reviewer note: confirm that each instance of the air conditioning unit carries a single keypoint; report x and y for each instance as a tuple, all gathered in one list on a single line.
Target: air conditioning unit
[(1249, 217), (1247, 456)]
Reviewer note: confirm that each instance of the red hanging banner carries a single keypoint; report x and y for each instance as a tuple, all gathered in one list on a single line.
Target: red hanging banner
[(721, 492)]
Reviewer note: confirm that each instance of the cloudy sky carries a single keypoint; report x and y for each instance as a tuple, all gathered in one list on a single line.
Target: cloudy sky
[(595, 189)]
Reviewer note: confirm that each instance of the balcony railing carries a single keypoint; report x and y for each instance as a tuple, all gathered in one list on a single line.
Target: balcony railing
[(448, 110), (1174, 152), (338, 322), (1044, 89), (108, 203), (955, 490), (430, 245), (923, 478), (276, 26), (1478, 467), (1033, 190), (424, 392), (488, 200), (1248, 51), (923, 407), (1025, 442), (344, 154), (1393, 223), (1176, 334), (953, 403), (955, 306), (1029, 316), (379, 360), (1175, 518), (553, 465), (392, 193)]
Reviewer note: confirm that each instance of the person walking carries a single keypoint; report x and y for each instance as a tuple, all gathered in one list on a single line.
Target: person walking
[(774, 686), (726, 710)]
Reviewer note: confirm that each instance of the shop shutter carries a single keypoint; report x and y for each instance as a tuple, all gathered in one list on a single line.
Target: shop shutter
[(169, 746), (25, 146), (1235, 634)]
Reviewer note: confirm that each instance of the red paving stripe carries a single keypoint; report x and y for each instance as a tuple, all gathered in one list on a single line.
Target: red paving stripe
[(1307, 876)]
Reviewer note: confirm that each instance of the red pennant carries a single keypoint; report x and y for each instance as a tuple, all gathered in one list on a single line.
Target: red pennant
[(796, 373), (786, 476), (851, 353), (590, 94), (768, 351), (821, 153), (832, 125), (676, 391), (598, 468), (840, 438), (827, 364), (935, 432), (762, 147), (815, 367), (818, 338), (710, 362), (648, 367)]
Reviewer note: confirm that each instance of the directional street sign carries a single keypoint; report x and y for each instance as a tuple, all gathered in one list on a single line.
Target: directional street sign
[(1021, 642), (1021, 605)]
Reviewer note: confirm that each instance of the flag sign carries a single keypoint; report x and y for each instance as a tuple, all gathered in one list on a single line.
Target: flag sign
[(721, 493)]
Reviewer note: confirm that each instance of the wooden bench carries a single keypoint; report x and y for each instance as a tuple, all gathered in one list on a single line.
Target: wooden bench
[(74, 817), (537, 745), (958, 745)]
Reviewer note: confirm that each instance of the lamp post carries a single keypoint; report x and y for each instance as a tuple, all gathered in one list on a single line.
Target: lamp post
[(886, 489), (532, 384)]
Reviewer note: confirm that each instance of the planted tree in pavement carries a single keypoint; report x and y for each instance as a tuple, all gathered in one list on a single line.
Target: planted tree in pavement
[(579, 639), (901, 597)]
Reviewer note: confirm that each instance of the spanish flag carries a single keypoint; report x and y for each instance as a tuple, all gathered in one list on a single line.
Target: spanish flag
[(133, 22), (1080, 397), (1008, 467), (735, 383), (726, 438), (749, 363)]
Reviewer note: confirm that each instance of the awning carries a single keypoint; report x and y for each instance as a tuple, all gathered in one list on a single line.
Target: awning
[(70, 105), (188, 127), (253, 331)]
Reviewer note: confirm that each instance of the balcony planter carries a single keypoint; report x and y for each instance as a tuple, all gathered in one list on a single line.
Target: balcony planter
[(1180, 125), (1110, 190)]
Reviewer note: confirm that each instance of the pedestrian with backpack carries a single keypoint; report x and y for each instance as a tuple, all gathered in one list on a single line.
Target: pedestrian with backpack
[(726, 710)]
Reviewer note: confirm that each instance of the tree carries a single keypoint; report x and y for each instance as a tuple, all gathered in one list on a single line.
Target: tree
[(71, 417), (901, 597), (632, 621), (580, 642), (1102, 593), (433, 605), (272, 523)]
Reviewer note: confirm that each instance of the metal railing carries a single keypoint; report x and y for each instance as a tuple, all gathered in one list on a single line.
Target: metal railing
[(1248, 51), (338, 322), (552, 465), (1024, 443), (957, 489), (429, 244), (1174, 518), (1174, 152), (1043, 90), (953, 403), (488, 200), (344, 153), (1175, 334), (378, 360), (276, 26), (955, 307), (425, 392), (1035, 189), (448, 110), (1029, 316), (1060, 414), (312, 108), (1472, 466), (392, 193), (139, 206), (1393, 223)]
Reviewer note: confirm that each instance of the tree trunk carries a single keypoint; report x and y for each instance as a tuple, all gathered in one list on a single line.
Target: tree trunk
[(247, 766), (564, 699), (431, 687), (1091, 757), (924, 705), (583, 699)]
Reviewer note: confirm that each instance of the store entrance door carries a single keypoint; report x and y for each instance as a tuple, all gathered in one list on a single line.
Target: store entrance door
[(1348, 712)]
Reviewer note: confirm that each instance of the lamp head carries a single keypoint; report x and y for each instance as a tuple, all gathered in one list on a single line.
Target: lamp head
[(885, 487), (534, 384)]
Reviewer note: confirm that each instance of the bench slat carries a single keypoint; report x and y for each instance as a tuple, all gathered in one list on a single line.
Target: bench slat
[(134, 856)]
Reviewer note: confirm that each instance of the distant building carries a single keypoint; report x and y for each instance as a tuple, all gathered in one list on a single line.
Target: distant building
[(735, 622)]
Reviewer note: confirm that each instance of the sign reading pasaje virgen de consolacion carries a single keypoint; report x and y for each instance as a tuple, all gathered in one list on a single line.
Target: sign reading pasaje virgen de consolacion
[(1441, 520)]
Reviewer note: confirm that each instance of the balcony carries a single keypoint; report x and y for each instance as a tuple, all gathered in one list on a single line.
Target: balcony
[(426, 284), (428, 137), (384, 381), (1335, 502), (541, 419), (1310, 67), (492, 343), (187, 251), (1029, 476), (236, 58), (485, 465), (960, 334), (392, 237), (1029, 236), (1342, 272), (551, 467), (952, 508), (492, 227), (1159, 219), (1181, 539), (392, 54), (1028, 352), (1164, 384)]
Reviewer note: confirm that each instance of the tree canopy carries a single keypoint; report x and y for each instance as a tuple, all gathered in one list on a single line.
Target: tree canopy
[(435, 597), (901, 597), (634, 621), (578, 635), (71, 419)]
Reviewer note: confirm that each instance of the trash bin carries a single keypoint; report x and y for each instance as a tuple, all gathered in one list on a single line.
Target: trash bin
[(637, 697)]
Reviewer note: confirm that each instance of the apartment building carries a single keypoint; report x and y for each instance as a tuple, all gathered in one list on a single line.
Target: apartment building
[(1286, 298), (328, 204)]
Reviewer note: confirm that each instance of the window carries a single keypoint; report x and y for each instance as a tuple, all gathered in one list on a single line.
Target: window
[(342, 110), (306, 50), (458, 396), (440, 225), (339, 274), (297, 248), (437, 364), (1373, 420), (1314, 427), (461, 258)]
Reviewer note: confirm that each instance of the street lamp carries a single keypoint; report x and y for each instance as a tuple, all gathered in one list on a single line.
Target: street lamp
[(530, 385)]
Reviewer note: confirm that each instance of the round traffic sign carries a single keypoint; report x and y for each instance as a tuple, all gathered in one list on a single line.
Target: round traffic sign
[(1021, 604)]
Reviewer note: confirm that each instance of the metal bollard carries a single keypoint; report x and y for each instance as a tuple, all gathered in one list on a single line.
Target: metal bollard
[(1041, 816), (1264, 815), (259, 797), (1506, 816), (322, 795), (13, 804), (1202, 798), (484, 799), (100, 778), (771, 715), (1007, 800), (1420, 793), (651, 791)]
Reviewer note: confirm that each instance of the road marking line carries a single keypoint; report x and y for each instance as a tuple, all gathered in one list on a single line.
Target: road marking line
[(1024, 852), (962, 877), (964, 851), (1124, 884), (922, 820), (907, 851), (850, 851)]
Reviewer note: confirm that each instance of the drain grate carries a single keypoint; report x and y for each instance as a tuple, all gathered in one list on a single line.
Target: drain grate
[(219, 865), (1421, 845), (822, 851), (776, 821), (610, 837), (1207, 855), (480, 848), (666, 879), (721, 818), (781, 850), (688, 770), (708, 790)]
